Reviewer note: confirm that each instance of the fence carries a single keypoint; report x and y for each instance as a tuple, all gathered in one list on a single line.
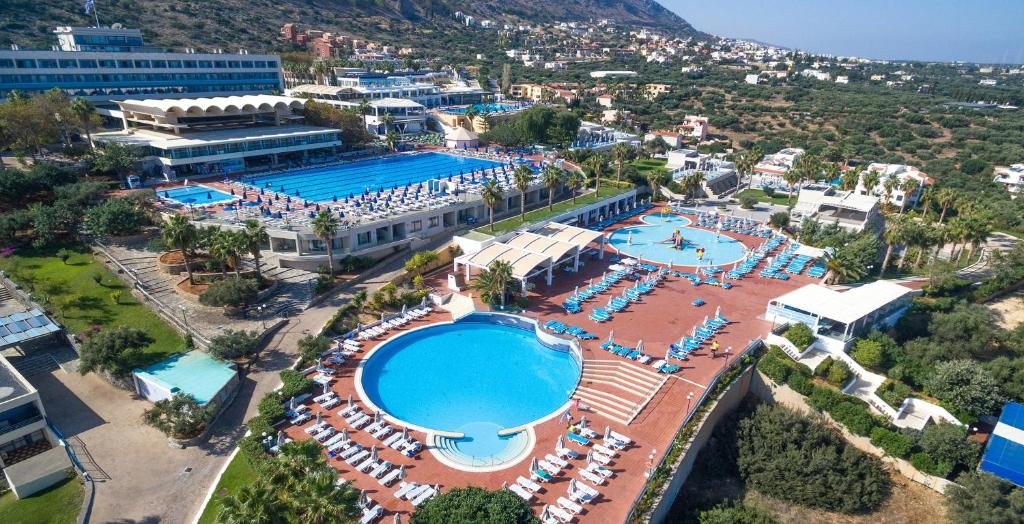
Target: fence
[(161, 309)]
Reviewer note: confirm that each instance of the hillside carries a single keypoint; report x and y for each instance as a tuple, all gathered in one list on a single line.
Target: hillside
[(254, 24)]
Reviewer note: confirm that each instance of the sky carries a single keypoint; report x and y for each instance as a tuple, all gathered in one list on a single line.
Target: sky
[(931, 30)]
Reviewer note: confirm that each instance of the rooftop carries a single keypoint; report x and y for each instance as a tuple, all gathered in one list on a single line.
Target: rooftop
[(146, 137), (847, 306), (216, 105), (12, 385), (1004, 455), (194, 373)]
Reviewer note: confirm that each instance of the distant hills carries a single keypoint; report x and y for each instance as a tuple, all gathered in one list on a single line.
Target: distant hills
[(254, 24)]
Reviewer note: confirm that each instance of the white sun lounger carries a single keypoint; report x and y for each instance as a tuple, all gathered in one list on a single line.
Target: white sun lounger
[(333, 440), (390, 477), (366, 465), (417, 492), (375, 426), (528, 484), (372, 514), (327, 433), (357, 458), (361, 421), (382, 432), (605, 450), (401, 443), (405, 488), (393, 438), (325, 397), (550, 468), (523, 494), (561, 514), (348, 411), (589, 491), (425, 496), (601, 470), (621, 438), (602, 459), (339, 445), (556, 461), (551, 518), (331, 403), (355, 415), (566, 453), (380, 469), (350, 452), (302, 418), (570, 506), (316, 428), (412, 448), (586, 432), (658, 364), (300, 409), (592, 477)]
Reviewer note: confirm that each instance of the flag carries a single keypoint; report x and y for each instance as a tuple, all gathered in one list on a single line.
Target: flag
[(89, 6)]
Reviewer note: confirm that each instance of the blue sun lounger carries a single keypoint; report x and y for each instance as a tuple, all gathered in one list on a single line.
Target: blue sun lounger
[(581, 440)]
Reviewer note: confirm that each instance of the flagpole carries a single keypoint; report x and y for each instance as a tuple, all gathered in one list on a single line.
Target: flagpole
[(96, 14)]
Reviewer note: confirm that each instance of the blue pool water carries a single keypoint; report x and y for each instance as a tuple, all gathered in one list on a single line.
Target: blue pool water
[(196, 195), (195, 373), (473, 377), (647, 242), (484, 108), (323, 184)]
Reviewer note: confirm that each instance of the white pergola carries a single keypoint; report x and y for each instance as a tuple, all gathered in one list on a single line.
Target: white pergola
[(577, 236), (524, 263)]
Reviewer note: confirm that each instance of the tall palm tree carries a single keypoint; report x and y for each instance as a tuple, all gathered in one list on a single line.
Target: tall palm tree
[(492, 195), (522, 177), (575, 181), (840, 269), (255, 503), (692, 183), (888, 187), (325, 225), (850, 178), (254, 235), (894, 234), (912, 233), (219, 247), (391, 139), (831, 172), (870, 181), (978, 231), (909, 187), (389, 121), (792, 177), (495, 280), (957, 231), (596, 165), (85, 112), (746, 161), (621, 152), (946, 198), (807, 167), (654, 182), (179, 233), (320, 499), (552, 178)]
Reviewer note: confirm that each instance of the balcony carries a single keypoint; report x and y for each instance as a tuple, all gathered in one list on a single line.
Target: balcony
[(9, 426)]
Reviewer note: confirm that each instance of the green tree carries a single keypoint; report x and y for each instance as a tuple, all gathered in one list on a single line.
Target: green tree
[(779, 220), (116, 158), (492, 194), (552, 178), (495, 282), (967, 386), (522, 177), (595, 166), (229, 292), (255, 503), (980, 498), (621, 153), (253, 237), (116, 351), (325, 226), (948, 444), (232, 344), (117, 216), (180, 416), (735, 512), (473, 505), (179, 233), (868, 353), (312, 347), (86, 115), (575, 181)]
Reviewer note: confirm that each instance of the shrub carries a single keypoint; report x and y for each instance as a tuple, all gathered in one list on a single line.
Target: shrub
[(868, 353), (777, 448), (893, 393), (180, 417), (64, 254), (822, 368), (748, 202), (948, 445), (893, 443), (474, 504), (967, 386), (312, 347), (234, 344), (924, 463), (259, 426), (855, 417), (838, 374), (735, 512), (252, 450), (982, 498), (769, 191), (271, 408), (115, 351), (294, 384), (801, 384), (800, 335), (420, 261), (229, 292), (117, 216)]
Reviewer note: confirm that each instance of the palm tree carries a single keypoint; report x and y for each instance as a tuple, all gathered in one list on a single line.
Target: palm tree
[(495, 280), (888, 187), (978, 231), (654, 181), (254, 235), (913, 231), (575, 180), (254, 503), (620, 154), (895, 233), (391, 139), (596, 165), (388, 120), (691, 184), (219, 248), (179, 233), (946, 198), (840, 269), (870, 180), (325, 225), (746, 161), (807, 167), (522, 177), (492, 195), (792, 176), (320, 499), (86, 114), (957, 231), (552, 178), (908, 186), (831, 172), (849, 180)]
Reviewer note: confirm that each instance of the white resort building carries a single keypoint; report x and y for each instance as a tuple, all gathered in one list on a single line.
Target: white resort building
[(901, 173), (770, 170), (826, 204), (1011, 178)]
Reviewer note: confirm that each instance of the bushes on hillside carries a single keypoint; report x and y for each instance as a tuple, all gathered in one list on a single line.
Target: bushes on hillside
[(234, 344), (271, 407), (474, 504), (117, 216), (868, 353), (800, 335), (778, 447), (893, 443), (735, 512), (894, 393), (834, 372), (115, 351), (966, 386), (980, 498)]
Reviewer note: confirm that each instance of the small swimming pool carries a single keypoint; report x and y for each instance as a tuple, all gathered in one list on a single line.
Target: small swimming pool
[(325, 184), (478, 376), (651, 242), (495, 107), (196, 195)]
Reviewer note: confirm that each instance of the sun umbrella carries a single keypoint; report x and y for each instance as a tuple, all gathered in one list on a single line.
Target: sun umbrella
[(291, 404), (718, 311), (590, 457), (344, 435), (403, 310), (611, 336), (423, 302), (401, 474), (319, 418), (281, 438), (640, 346), (693, 333), (545, 516), (534, 465), (583, 421), (326, 388), (504, 485), (405, 433), (377, 416), (363, 499), (398, 518), (573, 488), (350, 400), (576, 291), (560, 442), (373, 453), (608, 433)]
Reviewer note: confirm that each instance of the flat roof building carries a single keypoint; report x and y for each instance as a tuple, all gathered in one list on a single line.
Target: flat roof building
[(826, 204), (1011, 178), (1004, 453), (901, 173)]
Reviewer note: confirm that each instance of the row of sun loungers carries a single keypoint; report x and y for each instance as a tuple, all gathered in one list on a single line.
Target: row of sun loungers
[(559, 328), (640, 208), (394, 323)]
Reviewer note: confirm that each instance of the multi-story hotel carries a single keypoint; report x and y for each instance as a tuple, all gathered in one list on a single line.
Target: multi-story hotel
[(113, 63)]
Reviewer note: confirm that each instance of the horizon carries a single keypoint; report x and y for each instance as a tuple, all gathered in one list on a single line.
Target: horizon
[(913, 30)]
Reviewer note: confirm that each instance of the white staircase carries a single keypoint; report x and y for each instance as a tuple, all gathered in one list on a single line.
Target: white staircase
[(616, 389)]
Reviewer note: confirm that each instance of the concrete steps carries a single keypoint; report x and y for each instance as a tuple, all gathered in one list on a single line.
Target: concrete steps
[(616, 389)]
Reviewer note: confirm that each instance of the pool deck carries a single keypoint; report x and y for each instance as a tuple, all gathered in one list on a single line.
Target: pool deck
[(659, 319)]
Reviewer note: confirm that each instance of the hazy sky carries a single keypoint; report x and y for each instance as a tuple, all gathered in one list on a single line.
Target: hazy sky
[(968, 30)]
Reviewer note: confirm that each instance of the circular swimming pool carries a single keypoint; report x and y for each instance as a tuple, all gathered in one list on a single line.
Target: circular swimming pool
[(652, 242), (478, 376)]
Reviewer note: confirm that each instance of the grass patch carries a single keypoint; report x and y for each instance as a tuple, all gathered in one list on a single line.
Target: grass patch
[(646, 165), (239, 473), (779, 198), (69, 290), (542, 213), (57, 504)]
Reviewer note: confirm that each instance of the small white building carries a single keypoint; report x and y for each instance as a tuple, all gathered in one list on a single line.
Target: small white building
[(461, 138), (673, 139), (770, 170), (826, 204), (612, 74), (1011, 178), (752, 79), (902, 173)]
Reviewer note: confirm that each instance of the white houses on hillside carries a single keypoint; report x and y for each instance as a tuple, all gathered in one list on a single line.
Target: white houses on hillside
[(901, 173), (1011, 178)]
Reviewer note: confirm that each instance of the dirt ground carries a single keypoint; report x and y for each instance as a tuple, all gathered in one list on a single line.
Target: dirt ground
[(1009, 310)]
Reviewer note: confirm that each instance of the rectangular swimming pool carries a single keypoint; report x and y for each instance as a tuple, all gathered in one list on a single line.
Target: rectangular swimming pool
[(324, 184), (196, 195), (494, 107)]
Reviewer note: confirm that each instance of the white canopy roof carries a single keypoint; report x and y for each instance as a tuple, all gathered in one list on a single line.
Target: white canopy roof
[(523, 262), (846, 307), (460, 133), (217, 105), (574, 235), (547, 246)]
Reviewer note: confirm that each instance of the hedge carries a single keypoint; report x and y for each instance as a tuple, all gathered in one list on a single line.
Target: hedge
[(271, 408), (800, 335), (895, 444), (294, 384)]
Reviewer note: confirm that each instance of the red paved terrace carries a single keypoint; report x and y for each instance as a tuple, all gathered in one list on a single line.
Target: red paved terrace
[(660, 318)]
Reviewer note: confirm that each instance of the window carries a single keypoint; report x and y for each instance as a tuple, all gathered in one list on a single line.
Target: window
[(68, 64), (417, 225), (435, 221), (87, 64), (363, 238), (26, 64), (6, 63)]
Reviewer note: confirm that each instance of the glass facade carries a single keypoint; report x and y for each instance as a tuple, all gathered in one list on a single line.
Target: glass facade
[(246, 146)]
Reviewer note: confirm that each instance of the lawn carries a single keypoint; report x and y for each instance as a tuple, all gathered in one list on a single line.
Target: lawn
[(645, 165), (239, 473), (778, 198), (542, 213), (70, 291), (57, 504)]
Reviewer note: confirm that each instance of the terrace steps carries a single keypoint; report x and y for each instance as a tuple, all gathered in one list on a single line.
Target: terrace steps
[(617, 389)]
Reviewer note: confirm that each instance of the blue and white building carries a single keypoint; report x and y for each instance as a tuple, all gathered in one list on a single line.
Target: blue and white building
[(1004, 454)]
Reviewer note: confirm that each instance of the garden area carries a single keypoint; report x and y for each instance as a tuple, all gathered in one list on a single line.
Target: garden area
[(58, 504), (543, 213), (87, 298), (777, 198)]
